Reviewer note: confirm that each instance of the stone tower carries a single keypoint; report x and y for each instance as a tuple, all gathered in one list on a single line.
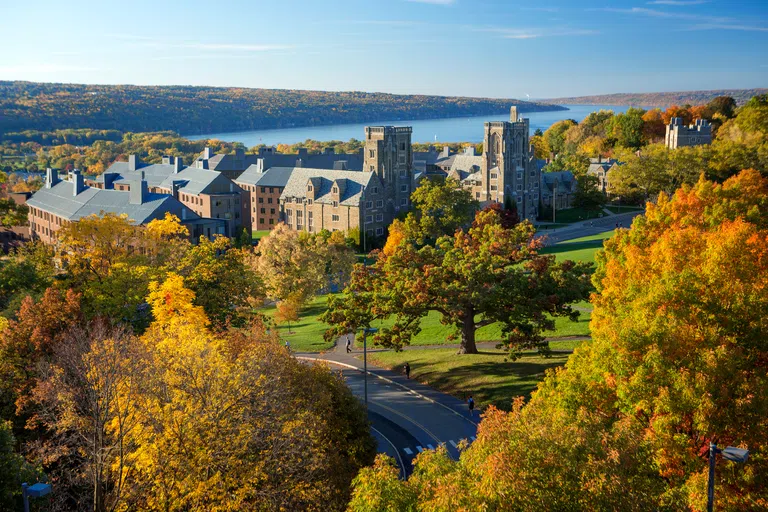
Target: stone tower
[(388, 153), (679, 135), (507, 165)]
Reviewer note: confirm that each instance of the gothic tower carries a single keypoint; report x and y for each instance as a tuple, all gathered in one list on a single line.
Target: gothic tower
[(388, 153)]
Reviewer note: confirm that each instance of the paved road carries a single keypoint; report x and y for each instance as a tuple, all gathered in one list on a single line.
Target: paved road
[(587, 228), (406, 417)]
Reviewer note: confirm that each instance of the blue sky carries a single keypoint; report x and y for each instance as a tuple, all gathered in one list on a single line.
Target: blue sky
[(496, 48)]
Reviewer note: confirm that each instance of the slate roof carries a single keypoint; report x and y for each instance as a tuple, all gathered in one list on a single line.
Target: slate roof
[(354, 161), (154, 174), (195, 181), (59, 201), (273, 177), (464, 162), (566, 181), (323, 179)]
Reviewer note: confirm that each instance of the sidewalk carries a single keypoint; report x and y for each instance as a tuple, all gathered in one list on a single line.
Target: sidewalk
[(485, 345)]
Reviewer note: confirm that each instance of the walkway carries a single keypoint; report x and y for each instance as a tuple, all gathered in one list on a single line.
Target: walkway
[(588, 227)]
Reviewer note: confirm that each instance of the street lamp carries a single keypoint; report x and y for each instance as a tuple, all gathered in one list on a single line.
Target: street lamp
[(37, 490), (731, 453), (366, 331)]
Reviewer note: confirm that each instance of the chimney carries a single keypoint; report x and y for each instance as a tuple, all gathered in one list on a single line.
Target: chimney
[(446, 152), (207, 153), (239, 154), (175, 186), (177, 163), (133, 162), (329, 151), (469, 150), (302, 152), (77, 182), (513, 114), (340, 165), (139, 192), (51, 178), (167, 160), (202, 164), (109, 180)]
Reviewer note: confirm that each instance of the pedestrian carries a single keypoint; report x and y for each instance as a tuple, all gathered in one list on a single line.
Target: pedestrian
[(471, 405), (349, 344), (287, 346), (407, 368)]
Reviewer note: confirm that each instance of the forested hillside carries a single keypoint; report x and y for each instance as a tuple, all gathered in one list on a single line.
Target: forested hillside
[(197, 110), (661, 99)]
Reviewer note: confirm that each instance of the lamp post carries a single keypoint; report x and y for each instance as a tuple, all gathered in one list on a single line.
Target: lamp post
[(366, 330), (365, 227), (37, 490), (731, 453)]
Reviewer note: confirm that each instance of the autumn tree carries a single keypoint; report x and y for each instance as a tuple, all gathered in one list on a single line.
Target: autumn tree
[(287, 311), (476, 277), (12, 214), (442, 207)]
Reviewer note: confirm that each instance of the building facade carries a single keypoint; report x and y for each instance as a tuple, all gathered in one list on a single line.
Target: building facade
[(696, 134), (388, 154), (262, 194), (61, 202), (601, 168), (558, 189)]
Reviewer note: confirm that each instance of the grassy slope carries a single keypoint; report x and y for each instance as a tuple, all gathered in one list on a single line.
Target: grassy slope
[(489, 376), (307, 334)]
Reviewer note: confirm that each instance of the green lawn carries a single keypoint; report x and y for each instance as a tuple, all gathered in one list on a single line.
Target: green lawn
[(579, 249), (571, 215), (307, 334), (489, 376), (258, 235)]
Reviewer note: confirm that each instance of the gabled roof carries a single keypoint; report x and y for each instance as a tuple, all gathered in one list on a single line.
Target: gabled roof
[(195, 181), (274, 177), (464, 162), (154, 174), (565, 181), (60, 201), (324, 178)]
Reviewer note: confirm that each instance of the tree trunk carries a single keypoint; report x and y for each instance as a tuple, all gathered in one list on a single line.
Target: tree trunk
[(468, 334)]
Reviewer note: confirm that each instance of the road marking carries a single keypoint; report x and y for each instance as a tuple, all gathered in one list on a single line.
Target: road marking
[(453, 444), (397, 453), (407, 451), (420, 449), (430, 447), (422, 427)]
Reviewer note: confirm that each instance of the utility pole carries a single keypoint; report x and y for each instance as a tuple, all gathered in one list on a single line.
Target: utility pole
[(366, 331), (554, 199)]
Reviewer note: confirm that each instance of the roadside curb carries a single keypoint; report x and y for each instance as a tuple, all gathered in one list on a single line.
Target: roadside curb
[(409, 390)]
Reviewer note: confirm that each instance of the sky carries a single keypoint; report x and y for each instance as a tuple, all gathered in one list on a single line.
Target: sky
[(481, 48)]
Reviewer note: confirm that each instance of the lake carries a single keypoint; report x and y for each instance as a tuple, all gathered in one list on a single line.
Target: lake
[(455, 129)]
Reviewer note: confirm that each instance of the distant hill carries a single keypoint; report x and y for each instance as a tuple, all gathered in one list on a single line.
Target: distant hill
[(659, 99), (198, 110)]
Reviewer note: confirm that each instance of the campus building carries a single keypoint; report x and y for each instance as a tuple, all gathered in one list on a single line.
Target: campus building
[(559, 188), (61, 202), (601, 168), (209, 193), (262, 194), (696, 134)]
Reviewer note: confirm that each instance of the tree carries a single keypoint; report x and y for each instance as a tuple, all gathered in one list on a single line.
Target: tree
[(288, 311), (654, 128), (555, 135), (12, 214), (588, 195), (13, 469), (723, 105), (442, 207), (627, 128), (677, 360), (483, 275)]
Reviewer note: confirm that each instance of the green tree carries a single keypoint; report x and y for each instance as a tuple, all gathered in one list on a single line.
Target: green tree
[(588, 195), (476, 277), (442, 207), (12, 214)]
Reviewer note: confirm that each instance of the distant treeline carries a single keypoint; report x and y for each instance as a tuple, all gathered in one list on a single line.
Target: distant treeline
[(197, 110), (661, 99)]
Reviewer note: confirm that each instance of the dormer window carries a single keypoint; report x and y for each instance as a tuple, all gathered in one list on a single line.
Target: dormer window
[(309, 188), (335, 190)]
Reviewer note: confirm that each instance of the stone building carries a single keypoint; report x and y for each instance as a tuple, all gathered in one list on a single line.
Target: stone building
[(694, 135), (61, 202), (317, 199), (559, 187), (389, 155), (600, 168)]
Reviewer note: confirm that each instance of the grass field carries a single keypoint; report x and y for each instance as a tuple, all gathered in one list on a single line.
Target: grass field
[(489, 376), (579, 249), (258, 235), (306, 335)]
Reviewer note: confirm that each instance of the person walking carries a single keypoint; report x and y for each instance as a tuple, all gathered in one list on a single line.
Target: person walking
[(407, 369), (287, 346), (349, 344), (471, 405)]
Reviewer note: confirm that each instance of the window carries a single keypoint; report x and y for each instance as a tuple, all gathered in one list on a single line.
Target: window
[(334, 218), (371, 153), (494, 187), (403, 188), (402, 146), (309, 201), (271, 221), (335, 189), (494, 175), (369, 232), (299, 214), (271, 190), (379, 231), (269, 200), (379, 217), (335, 204), (403, 174), (289, 213), (263, 210), (403, 202), (519, 187), (536, 185), (372, 168), (309, 188), (263, 189), (375, 190), (261, 199), (369, 204), (519, 199), (368, 219), (261, 221), (477, 195), (519, 176), (272, 211)]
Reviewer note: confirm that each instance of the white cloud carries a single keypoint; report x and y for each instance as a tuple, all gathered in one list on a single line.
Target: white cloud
[(727, 26), (655, 13), (534, 33)]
